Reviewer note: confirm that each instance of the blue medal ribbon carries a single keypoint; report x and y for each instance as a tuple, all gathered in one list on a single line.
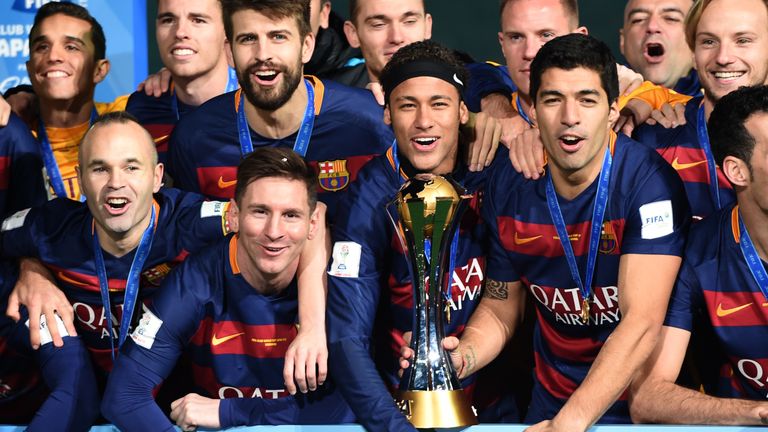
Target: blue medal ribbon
[(598, 212), (753, 260), (51, 166), (302, 136), (232, 85), (701, 128), (131, 286), (521, 111)]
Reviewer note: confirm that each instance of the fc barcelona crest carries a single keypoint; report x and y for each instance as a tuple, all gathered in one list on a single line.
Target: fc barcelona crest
[(607, 239), (333, 175), (155, 275)]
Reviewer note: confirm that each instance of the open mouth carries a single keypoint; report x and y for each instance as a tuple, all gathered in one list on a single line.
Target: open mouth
[(182, 52), (116, 206), (56, 74), (570, 143), (728, 75), (655, 50), (425, 143)]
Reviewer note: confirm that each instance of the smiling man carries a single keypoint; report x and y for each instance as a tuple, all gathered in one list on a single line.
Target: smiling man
[(337, 128), (653, 42), (599, 321)]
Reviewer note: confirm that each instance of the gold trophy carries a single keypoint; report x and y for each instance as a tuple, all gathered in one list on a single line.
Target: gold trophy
[(426, 214)]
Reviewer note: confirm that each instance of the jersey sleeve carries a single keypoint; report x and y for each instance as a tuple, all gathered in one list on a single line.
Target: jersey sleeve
[(181, 167), (499, 265), (202, 222), (485, 79), (658, 215), (21, 233), (654, 95), (118, 104), (21, 181), (355, 283), (685, 299)]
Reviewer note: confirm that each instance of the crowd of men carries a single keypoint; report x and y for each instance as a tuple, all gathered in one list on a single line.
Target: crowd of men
[(214, 250)]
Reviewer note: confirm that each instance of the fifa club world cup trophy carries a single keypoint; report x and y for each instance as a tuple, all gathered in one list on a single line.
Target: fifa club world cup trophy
[(428, 209)]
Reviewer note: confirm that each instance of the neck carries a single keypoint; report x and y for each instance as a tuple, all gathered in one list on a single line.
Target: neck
[(194, 91), (570, 183), (64, 114), (372, 76), (266, 284), (281, 122), (709, 106), (756, 221), (525, 102)]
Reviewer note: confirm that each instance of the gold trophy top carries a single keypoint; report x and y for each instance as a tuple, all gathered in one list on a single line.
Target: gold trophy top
[(429, 189)]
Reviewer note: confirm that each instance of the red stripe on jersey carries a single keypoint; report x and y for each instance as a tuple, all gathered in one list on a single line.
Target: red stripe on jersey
[(257, 341), (5, 172), (161, 134), (84, 281), (206, 378), (583, 350), (556, 384), (740, 308), (750, 371), (691, 165), (542, 240), (401, 293), (217, 181)]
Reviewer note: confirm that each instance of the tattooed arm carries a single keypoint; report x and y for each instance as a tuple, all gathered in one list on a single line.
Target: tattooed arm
[(492, 324)]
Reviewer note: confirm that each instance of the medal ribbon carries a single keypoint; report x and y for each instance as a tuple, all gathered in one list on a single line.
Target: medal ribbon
[(51, 166), (232, 85), (598, 211), (131, 286), (521, 111), (711, 168), (302, 136), (753, 260)]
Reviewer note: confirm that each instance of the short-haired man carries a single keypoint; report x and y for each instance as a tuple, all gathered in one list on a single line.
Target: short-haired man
[(423, 83), (723, 274), (581, 241), (653, 42), (337, 128), (234, 309)]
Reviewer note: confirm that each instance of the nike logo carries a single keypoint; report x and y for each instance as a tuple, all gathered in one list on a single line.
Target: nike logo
[(218, 341), (721, 312), (160, 139), (225, 184), (71, 281), (681, 166), (522, 241)]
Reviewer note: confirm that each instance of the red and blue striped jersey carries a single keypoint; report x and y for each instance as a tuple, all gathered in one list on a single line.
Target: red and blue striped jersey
[(681, 148), (21, 168), (348, 131), (646, 213), (60, 234), (715, 278), (234, 337)]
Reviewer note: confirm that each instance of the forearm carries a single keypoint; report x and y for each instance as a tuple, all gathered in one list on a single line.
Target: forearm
[(257, 411), (667, 402), (623, 353), (312, 282)]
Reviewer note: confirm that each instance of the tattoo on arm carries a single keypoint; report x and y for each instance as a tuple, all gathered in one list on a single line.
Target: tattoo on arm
[(496, 290), (470, 361)]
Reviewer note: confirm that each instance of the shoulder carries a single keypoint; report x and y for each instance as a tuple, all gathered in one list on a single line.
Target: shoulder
[(217, 110), (349, 101), (15, 132), (59, 214), (706, 236), (638, 164)]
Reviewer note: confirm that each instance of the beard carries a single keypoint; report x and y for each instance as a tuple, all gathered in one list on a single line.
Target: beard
[(270, 99)]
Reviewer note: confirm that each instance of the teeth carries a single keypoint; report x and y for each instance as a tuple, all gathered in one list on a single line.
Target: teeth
[(117, 202), (727, 75), (183, 51), (570, 140), (266, 74), (56, 74), (425, 141), (272, 249)]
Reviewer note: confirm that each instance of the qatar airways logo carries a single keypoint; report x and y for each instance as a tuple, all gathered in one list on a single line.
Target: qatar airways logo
[(565, 304), (466, 284), (94, 318), (754, 371), (256, 392)]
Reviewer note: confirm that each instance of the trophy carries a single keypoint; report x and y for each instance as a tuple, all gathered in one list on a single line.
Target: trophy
[(429, 210)]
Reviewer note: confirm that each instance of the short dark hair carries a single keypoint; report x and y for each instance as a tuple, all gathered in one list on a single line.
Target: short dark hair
[(354, 9), (273, 9), (571, 8), (281, 162), (121, 117), (424, 51), (75, 11), (573, 51), (728, 134)]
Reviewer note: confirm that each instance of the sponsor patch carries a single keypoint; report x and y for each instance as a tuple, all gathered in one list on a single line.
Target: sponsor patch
[(213, 208), (346, 259), (145, 333), (657, 219), (14, 221), (45, 332)]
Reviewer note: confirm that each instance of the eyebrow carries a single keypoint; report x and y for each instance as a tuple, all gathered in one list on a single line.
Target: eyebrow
[(414, 99), (668, 9), (125, 161), (585, 92), (74, 39), (383, 17)]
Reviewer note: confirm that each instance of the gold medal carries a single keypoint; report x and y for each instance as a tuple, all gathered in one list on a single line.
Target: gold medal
[(585, 311)]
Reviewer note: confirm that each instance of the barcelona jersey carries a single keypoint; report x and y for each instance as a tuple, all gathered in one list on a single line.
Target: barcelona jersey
[(715, 278), (348, 131), (646, 213), (158, 116), (21, 185)]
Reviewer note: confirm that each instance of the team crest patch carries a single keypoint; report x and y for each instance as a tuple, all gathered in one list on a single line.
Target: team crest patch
[(155, 275), (607, 239), (333, 175)]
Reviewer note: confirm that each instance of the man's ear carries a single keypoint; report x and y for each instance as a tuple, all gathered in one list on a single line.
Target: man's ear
[(613, 114), (100, 70), (350, 31), (736, 171), (308, 48), (232, 216), (463, 113), (387, 116)]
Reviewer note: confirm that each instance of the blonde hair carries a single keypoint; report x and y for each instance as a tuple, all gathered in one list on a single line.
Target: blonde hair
[(693, 18)]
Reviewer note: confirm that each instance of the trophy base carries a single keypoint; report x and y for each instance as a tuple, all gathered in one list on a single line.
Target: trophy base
[(436, 408)]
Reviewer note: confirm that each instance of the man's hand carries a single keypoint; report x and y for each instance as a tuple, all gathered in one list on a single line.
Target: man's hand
[(483, 133), (450, 344), (377, 91), (306, 361), (634, 113), (668, 116), (36, 290), (526, 152), (193, 411), (629, 80), (157, 84)]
